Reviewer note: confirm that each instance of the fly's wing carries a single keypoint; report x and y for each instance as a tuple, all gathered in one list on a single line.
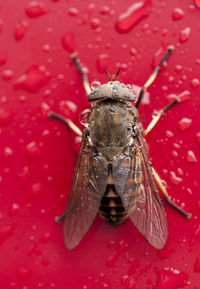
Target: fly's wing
[(135, 184), (88, 187)]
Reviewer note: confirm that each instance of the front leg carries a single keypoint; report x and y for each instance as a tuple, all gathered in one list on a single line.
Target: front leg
[(67, 121)]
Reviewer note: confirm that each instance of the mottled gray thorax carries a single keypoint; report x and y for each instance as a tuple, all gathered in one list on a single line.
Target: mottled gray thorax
[(111, 124)]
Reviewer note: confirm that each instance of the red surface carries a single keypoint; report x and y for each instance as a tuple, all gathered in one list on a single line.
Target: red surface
[(38, 154)]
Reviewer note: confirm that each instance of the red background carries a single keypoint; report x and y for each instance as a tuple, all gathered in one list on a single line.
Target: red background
[(38, 154)]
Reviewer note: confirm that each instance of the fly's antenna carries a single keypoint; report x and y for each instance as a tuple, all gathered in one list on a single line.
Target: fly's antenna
[(116, 75), (110, 77)]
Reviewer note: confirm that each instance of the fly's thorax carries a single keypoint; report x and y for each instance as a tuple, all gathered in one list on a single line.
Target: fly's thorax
[(111, 126), (112, 90)]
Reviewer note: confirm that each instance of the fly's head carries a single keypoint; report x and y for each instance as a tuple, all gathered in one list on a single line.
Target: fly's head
[(112, 90)]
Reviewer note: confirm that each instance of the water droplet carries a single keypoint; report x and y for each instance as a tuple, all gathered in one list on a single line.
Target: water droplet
[(95, 84), (23, 273), (185, 34), (184, 123), (174, 179), (197, 265), (36, 77), (5, 232), (95, 23), (36, 191), (14, 209), (178, 68), (158, 55), (77, 142), (23, 176), (163, 253), (110, 244), (7, 152), (104, 10), (83, 117), (33, 150), (44, 109), (20, 30), (169, 134), (195, 82), (177, 14), (169, 278), (134, 14), (6, 115), (133, 51), (68, 42), (195, 236), (191, 158), (197, 3), (35, 9), (102, 62), (73, 11), (134, 267), (7, 74), (3, 57), (120, 248), (46, 237), (198, 138), (68, 108)]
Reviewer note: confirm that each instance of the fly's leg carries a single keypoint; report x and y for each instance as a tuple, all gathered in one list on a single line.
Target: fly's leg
[(60, 218), (86, 83), (158, 115), (153, 76), (67, 121), (167, 198)]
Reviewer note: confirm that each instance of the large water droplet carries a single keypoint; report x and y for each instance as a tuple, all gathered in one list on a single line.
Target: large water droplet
[(174, 179), (135, 13), (185, 34), (95, 84), (170, 279), (177, 14), (35, 9), (68, 42), (83, 117), (36, 77), (20, 30), (191, 158), (185, 123)]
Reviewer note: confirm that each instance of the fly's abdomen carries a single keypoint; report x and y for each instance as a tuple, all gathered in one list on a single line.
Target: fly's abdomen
[(111, 209)]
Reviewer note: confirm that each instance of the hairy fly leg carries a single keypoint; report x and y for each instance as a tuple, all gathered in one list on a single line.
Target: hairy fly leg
[(153, 76)]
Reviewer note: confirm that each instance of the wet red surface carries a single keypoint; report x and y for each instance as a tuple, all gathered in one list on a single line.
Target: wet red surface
[(38, 154)]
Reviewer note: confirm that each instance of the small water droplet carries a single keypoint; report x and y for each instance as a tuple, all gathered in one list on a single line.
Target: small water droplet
[(195, 82), (3, 57), (134, 14), (185, 34), (174, 179), (177, 14), (6, 232), (95, 84), (35, 9), (6, 115), (95, 23), (20, 30), (33, 150), (104, 10), (14, 209), (83, 117), (191, 158), (44, 109), (23, 273), (7, 74), (7, 152), (102, 62), (73, 11), (169, 134), (120, 248), (36, 191), (184, 123)]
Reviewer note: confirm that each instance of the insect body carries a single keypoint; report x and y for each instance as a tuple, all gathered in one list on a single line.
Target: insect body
[(113, 175)]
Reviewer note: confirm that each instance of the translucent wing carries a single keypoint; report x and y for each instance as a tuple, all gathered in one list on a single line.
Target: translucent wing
[(135, 184), (88, 187)]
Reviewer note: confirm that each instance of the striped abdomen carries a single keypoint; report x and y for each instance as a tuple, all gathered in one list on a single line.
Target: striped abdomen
[(111, 209)]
